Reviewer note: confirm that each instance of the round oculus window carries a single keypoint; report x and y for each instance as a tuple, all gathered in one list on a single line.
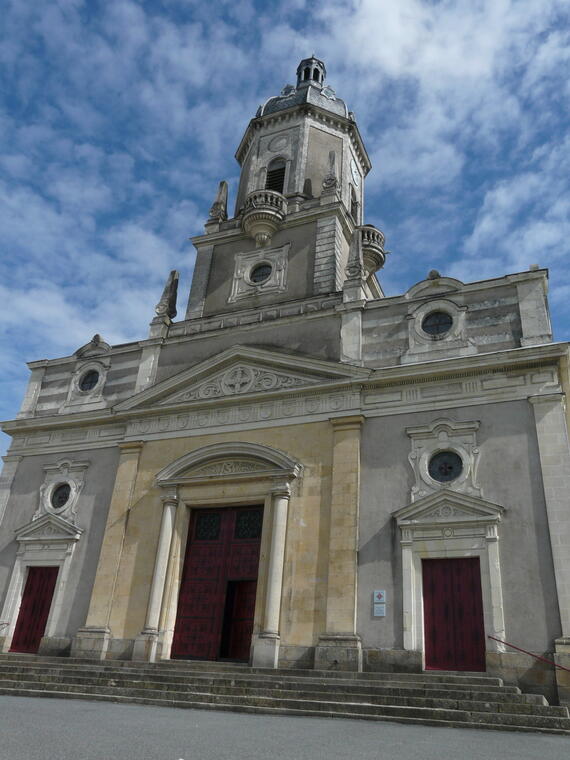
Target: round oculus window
[(60, 495), (445, 466), (437, 323), (260, 273), (89, 380)]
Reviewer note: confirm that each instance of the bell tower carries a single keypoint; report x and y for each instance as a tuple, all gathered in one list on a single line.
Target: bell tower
[(299, 202)]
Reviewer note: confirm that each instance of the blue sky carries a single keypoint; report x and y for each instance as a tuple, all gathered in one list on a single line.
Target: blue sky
[(118, 119)]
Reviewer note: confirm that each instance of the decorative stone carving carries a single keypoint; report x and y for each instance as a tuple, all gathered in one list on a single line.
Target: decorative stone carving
[(444, 435), (166, 307), (330, 182), (219, 209), (64, 472), (239, 379), (95, 357), (230, 467), (263, 213), (424, 346), (242, 284)]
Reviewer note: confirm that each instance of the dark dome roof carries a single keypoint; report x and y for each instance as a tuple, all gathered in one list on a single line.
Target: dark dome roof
[(324, 97)]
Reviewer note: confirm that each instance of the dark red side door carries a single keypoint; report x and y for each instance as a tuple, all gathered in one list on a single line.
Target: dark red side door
[(217, 594), (34, 609), (454, 630)]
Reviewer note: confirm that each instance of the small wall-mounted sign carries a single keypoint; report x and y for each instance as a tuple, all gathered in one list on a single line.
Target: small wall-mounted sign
[(379, 603)]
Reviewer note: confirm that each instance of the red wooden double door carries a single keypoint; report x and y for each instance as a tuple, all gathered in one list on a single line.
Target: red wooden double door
[(216, 603), (34, 609), (454, 630)]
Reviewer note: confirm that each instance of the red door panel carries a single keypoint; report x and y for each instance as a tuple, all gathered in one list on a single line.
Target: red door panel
[(217, 594), (453, 614), (34, 609)]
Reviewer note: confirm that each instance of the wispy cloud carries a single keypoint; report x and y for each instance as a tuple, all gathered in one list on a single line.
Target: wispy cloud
[(119, 119)]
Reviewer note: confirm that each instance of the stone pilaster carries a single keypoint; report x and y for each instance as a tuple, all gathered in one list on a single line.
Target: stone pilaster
[(92, 640), (199, 286), (339, 646), (6, 479), (554, 451), (33, 390)]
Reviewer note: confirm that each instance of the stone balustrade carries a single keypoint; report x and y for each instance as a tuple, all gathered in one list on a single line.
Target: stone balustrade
[(263, 213)]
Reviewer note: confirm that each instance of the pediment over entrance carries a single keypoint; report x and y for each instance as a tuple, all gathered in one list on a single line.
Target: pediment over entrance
[(448, 506), (229, 461), (48, 528), (240, 371)]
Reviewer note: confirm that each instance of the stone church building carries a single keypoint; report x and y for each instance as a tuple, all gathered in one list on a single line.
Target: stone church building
[(300, 472)]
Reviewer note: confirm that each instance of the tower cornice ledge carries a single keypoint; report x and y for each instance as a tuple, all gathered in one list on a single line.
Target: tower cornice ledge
[(346, 124)]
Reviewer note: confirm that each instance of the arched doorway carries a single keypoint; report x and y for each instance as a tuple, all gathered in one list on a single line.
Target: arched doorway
[(216, 588)]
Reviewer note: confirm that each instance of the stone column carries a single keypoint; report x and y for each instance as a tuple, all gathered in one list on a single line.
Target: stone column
[(266, 647), (339, 647), (146, 642), (554, 450), (92, 640)]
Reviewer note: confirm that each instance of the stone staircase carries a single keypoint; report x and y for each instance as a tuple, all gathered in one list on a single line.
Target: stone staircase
[(436, 699)]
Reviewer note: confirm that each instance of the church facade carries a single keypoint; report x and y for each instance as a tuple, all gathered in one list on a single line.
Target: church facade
[(301, 472)]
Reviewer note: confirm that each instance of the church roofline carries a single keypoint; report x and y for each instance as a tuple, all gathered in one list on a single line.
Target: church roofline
[(494, 361)]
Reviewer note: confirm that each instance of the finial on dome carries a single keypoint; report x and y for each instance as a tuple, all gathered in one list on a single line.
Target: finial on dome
[(311, 71)]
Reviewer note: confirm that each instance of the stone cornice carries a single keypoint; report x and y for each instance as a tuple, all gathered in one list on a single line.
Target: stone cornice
[(345, 124), (469, 287), (516, 374)]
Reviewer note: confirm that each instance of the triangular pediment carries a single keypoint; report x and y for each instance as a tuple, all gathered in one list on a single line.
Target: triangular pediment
[(447, 506), (48, 528), (243, 371)]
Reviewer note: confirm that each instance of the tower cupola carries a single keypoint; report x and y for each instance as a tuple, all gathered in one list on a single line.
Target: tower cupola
[(311, 71)]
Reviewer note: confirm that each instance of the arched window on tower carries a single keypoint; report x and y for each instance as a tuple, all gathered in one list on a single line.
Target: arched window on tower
[(275, 175), (316, 75), (306, 74), (353, 205)]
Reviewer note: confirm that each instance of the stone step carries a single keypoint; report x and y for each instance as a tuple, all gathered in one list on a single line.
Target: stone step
[(235, 667), (435, 698), (118, 678), (426, 716), (177, 691), (249, 678)]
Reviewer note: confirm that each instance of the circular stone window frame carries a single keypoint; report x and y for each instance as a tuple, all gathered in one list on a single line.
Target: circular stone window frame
[(251, 270), (438, 335), (81, 372), (455, 332), (69, 508), (454, 448)]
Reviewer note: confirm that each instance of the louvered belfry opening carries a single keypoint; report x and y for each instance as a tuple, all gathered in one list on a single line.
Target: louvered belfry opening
[(275, 176)]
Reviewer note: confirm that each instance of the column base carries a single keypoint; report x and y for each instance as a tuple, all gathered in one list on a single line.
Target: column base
[(91, 643), (146, 646), (266, 651), (339, 651), (562, 657)]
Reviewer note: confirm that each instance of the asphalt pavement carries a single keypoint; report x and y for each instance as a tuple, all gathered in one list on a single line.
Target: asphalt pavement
[(60, 729)]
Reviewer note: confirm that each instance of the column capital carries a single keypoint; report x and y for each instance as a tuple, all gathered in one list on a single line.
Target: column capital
[(169, 495), (549, 398), (130, 446), (283, 491), (353, 422)]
